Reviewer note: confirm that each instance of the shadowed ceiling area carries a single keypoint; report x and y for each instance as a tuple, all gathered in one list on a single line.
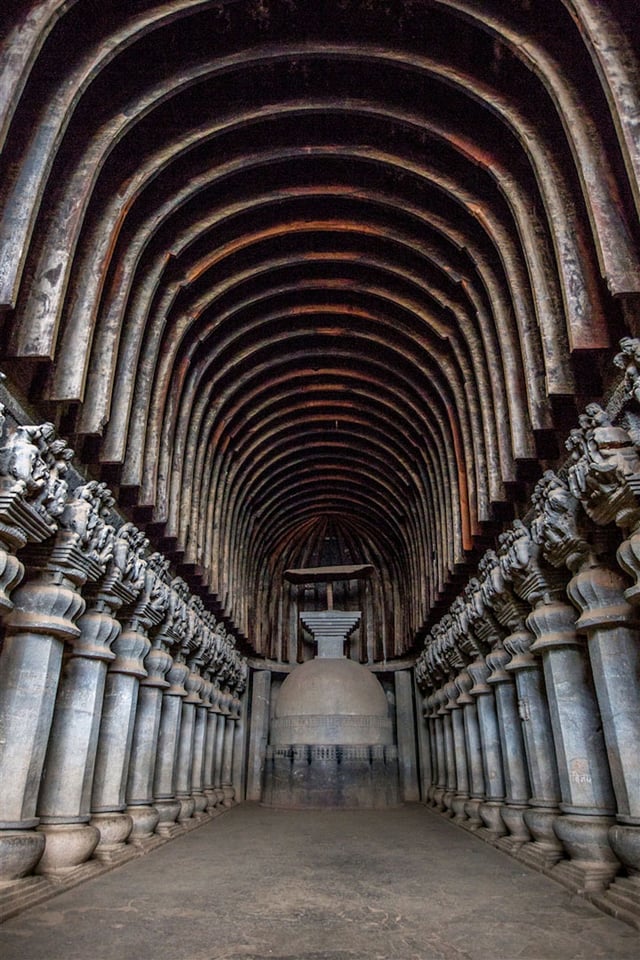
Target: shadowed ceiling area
[(317, 282)]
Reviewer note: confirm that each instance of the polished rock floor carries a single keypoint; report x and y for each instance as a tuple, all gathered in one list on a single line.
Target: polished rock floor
[(327, 885)]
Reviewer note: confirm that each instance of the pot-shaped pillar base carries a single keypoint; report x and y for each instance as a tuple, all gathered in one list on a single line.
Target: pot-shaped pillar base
[(187, 806), (114, 829), (545, 848), (67, 845), (472, 810), (145, 820), (458, 807), (593, 864), (20, 851), (513, 818), (491, 814), (168, 811), (625, 843)]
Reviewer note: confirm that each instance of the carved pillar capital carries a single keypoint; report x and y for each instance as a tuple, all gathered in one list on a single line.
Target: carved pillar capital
[(604, 474), (558, 524), (480, 594), (524, 567), (32, 491)]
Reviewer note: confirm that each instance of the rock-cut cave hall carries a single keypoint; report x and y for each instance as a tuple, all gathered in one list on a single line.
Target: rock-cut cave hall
[(320, 467)]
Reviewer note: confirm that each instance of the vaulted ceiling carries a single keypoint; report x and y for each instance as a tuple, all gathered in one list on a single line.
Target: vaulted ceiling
[(273, 266)]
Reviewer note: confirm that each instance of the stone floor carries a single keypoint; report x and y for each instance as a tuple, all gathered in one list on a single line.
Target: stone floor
[(319, 885)]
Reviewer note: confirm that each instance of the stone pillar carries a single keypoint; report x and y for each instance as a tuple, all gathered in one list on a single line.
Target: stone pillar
[(205, 737), (213, 713), (199, 748), (500, 611), (605, 478), (545, 848), (45, 609), (406, 727), (164, 781), (279, 759), (424, 740), (139, 789), (226, 771), (240, 734), (461, 797), (473, 746), (259, 732), (614, 652), (139, 792), (174, 635), (65, 789), (428, 711), (441, 784), (121, 697), (587, 794), (534, 582), (451, 782), (114, 742), (516, 776), (186, 744), (32, 497), (491, 807)]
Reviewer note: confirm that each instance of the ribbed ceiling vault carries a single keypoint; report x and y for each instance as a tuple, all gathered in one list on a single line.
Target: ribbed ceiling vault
[(273, 266)]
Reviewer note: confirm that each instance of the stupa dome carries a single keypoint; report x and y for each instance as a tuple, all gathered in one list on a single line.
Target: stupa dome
[(331, 701)]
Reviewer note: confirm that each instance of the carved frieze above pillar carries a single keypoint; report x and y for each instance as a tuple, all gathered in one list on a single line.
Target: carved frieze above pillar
[(478, 595), (559, 524), (33, 465)]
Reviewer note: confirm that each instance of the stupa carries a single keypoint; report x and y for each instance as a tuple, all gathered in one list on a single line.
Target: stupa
[(331, 742)]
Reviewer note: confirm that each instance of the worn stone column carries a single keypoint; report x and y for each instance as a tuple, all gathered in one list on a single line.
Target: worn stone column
[(614, 651), (65, 789), (186, 743), (491, 807), (130, 648), (164, 781), (114, 743), (259, 732), (240, 678), (220, 732), (210, 749), (238, 708), (200, 739), (427, 708), (473, 748), (424, 739), (406, 726), (139, 789), (588, 801), (139, 792), (437, 716), (226, 771), (545, 849), (533, 581), (458, 804), (32, 496), (605, 478), (451, 781), (489, 596), (197, 773), (174, 635), (517, 789)]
